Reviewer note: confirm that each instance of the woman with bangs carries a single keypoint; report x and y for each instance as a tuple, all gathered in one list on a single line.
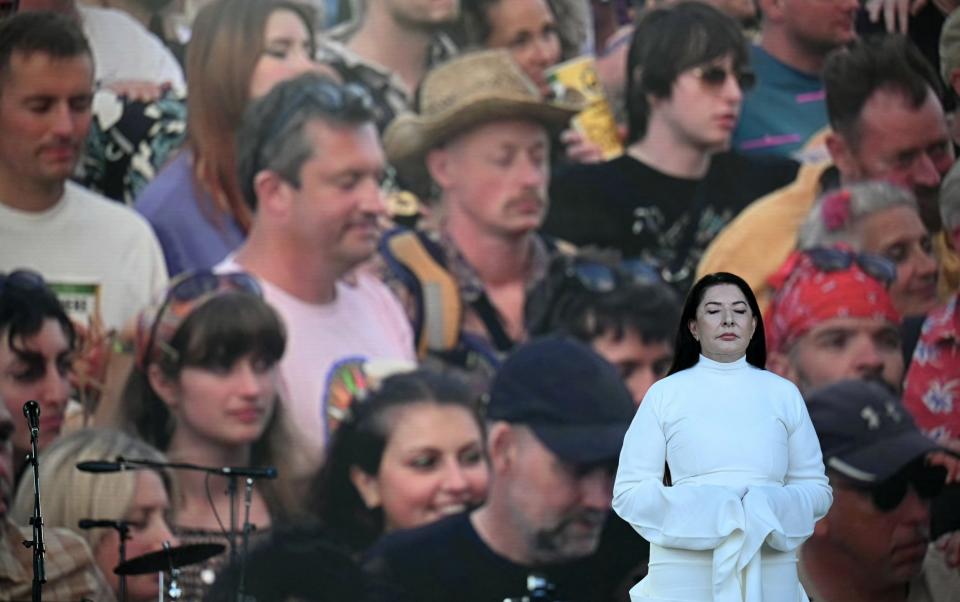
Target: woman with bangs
[(204, 391), (239, 50)]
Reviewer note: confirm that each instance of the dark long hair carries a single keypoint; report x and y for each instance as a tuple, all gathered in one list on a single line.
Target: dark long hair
[(687, 349), (361, 440)]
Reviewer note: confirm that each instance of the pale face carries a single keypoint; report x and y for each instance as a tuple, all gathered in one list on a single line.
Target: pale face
[(44, 117), (36, 367), (148, 531), (724, 324), (287, 52), (699, 115), (434, 465), (494, 177), (819, 26), (899, 235), (900, 144), (229, 407), (845, 348), (335, 210), (423, 14), (559, 508), (889, 546), (639, 364), (528, 30)]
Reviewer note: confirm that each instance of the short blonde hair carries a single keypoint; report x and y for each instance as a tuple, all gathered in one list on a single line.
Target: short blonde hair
[(68, 495)]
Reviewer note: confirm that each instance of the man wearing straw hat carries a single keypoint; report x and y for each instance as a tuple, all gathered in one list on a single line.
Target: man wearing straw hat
[(481, 135)]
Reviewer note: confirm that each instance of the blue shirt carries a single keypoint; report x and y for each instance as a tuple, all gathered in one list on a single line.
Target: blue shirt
[(782, 112), (193, 233)]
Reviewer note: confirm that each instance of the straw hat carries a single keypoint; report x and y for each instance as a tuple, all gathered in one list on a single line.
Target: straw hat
[(464, 92)]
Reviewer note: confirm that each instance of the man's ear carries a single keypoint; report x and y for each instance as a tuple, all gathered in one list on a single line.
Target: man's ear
[(843, 156), (779, 363), (502, 445), (438, 165), (165, 387), (955, 80), (368, 486), (273, 196)]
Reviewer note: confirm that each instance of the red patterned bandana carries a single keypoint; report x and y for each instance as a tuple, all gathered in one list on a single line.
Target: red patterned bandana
[(806, 295)]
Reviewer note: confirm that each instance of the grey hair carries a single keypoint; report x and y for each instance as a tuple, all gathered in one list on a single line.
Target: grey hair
[(866, 198), (285, 151), (950, 199)]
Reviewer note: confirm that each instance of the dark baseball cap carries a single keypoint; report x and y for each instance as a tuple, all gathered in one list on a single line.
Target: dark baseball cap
[(571, 398), (865, 432)]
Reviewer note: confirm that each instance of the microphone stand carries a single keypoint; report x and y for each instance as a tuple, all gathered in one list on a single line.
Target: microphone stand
[(39, 571), (247, 527), (123, 529), (232, 473)]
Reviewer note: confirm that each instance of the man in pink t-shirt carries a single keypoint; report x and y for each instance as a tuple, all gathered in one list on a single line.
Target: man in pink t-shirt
[(310, 165)]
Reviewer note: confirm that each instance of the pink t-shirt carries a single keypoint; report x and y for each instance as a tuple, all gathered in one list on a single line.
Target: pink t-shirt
[(364, 322)]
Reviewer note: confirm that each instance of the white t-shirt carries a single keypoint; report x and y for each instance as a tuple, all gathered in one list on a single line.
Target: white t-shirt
[(96, 253), (123, 49), (365, 322)]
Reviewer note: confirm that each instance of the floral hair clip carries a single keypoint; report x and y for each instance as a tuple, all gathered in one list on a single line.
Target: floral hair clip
[(836, 210)]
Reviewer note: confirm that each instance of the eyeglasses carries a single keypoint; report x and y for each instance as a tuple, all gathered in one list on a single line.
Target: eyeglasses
[(715, 76), (25, 280), (828, 259), (599, 277), (182, 298), (927, 481)]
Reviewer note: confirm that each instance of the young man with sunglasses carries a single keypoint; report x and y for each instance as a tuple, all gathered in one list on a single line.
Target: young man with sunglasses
[(675, 187), (832, 318), (874, 543), (103, 255), (787, 107), (310, 167)]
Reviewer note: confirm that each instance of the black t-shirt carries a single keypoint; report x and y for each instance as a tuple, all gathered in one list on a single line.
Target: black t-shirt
[(448, 562), (643, 213)]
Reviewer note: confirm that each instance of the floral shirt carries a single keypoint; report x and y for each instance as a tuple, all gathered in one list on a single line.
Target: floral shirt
[(932, 390)]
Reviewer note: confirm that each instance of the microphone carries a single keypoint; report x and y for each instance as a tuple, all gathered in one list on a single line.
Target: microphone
[(101, 466), (255, 473), (31, 410), (89, 523)]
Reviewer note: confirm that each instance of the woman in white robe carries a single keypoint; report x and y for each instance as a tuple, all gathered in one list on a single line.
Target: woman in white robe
[(748, 479)]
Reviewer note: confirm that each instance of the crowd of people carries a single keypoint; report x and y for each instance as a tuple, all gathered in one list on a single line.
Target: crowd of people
[(375, 254)]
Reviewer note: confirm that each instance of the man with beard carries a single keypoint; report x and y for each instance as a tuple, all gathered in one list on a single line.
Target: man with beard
[(557, 415), (389, 48), (482, 137)]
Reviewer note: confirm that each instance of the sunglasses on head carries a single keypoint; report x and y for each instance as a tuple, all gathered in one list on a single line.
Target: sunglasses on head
[(827, 259), (926, 480), (337, 100), (25, 280), (715, 76), (599, 277), (180, 298)]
